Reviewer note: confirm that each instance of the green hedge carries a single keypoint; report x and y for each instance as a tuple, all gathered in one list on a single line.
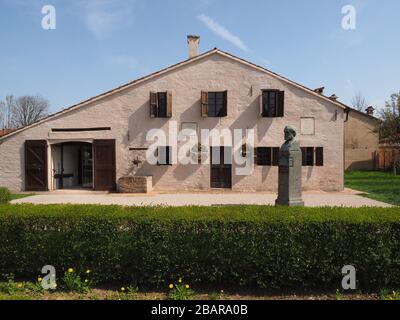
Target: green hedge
[(5, 195), (263, 247)]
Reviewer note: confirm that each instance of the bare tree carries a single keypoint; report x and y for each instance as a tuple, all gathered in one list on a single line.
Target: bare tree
[(359, 102), (26, 110), (2, 115), (5, 113)]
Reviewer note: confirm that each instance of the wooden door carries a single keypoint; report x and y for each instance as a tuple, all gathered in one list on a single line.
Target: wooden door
[(36, 165), (104, 165), (221, 173)]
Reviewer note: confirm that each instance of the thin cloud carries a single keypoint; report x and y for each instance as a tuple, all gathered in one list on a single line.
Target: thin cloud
[(222, 32), (103, 17)]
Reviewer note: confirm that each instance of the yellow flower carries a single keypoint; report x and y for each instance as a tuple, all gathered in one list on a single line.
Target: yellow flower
[(70, 270), (171, 286), (187, 286), (20, 285), (122, 289), (180, 280), (39, 279), (88, 271)]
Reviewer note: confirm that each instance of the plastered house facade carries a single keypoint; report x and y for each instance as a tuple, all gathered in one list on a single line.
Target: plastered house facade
[(361, 140), (99, 141)]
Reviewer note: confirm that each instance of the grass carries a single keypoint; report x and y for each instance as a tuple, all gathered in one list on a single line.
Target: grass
[(16, 196), (116, 294), (378, 185)]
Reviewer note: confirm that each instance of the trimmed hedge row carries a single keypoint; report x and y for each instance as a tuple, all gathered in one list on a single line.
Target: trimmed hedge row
[(5, 195), (255, 246)]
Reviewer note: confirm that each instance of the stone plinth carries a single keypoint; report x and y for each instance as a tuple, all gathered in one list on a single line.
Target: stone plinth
[(290, 167), (135, 184)]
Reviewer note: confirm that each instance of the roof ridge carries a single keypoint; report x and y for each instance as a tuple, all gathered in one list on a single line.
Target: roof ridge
[(166, 69)]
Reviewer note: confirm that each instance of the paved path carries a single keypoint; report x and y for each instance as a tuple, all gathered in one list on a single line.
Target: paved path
[(317, 199)]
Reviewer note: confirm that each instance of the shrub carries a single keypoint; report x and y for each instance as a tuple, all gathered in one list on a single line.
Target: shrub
[(5, 195), (180, 291), (73, 282), (255, 246)]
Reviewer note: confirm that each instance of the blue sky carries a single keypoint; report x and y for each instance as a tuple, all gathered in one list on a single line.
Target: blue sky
[(101, 44)]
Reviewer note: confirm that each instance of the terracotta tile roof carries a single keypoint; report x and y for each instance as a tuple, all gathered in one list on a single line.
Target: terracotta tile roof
[(4, 132), (177, 65)]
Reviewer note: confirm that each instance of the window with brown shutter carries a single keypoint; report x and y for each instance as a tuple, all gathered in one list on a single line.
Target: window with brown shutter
[(312, 156), (272, 103), (153, 104), (267, 156), (169, 104), (264, 156), (275, 157), (214, 104), (309, 156), (261, 102), (164, 154), (303, 156), (281, 104), (319, 156), (204, 104), (161, 104)]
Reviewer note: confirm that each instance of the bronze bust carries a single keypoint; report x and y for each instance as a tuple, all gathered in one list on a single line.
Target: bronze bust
[(290, 142)]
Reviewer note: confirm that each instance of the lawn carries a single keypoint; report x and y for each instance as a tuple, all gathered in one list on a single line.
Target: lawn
[(382, 186), (16, 196)]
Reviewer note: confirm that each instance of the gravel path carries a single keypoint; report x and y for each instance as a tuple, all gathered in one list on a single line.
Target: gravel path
[(317, 199)]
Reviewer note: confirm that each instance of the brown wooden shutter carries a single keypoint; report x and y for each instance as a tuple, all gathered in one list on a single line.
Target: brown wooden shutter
[(36, 165), (319, 156), (310, 160), (261, 102), (104, 165), (204, 104), (269, 156), (275, 157), (303, 157), (153, 104), (281, 104), (169, 104), (225, 110)]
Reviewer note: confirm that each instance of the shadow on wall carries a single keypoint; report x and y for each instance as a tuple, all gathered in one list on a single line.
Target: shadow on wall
[(366, 165), (246, 119), (139, 123)]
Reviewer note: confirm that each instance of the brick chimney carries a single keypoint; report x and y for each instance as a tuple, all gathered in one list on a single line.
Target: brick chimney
[(193, 42), (334, 97), (320, 90), (370, 110)]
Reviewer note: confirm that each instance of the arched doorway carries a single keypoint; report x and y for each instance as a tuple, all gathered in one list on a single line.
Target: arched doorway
[(72, 165)]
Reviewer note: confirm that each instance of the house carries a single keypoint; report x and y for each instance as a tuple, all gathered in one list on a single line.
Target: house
[(97, 142), (389, 154), (361, 144)]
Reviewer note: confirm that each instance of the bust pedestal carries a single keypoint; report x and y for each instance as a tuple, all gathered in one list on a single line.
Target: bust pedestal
[(289, 180)]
